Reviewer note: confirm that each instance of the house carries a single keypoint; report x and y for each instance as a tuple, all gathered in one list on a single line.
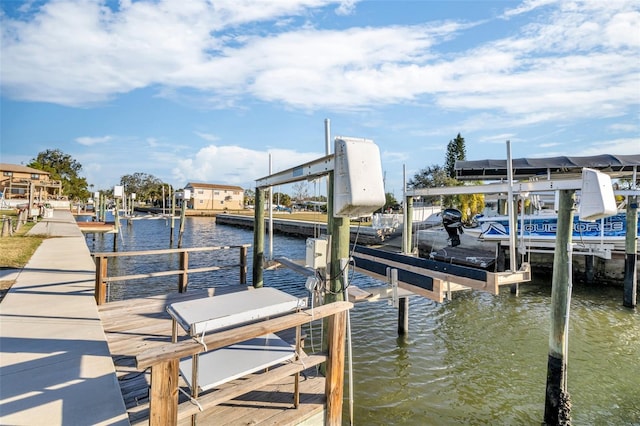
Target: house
[(211, 196), (22, 182)]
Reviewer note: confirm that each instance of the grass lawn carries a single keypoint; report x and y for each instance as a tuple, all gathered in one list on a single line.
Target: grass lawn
[(16, 250)]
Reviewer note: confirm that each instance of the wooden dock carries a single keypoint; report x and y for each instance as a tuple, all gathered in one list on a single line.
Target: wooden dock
[(138, 325), (97, 227)]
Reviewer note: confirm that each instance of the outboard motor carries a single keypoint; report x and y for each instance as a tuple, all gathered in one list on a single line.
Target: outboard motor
[(452, 221)]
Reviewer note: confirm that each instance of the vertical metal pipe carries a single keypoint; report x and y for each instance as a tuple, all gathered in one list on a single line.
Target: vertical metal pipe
[(409, 209), (327, 136), (327, 148), (270, 204), (511, 212), (405, 219)]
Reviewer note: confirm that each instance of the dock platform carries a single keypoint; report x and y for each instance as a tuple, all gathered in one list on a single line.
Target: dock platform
[(55, 365), (136, 325), (66, 361)]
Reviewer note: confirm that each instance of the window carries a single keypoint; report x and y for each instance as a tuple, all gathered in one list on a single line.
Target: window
[(7, 173), (200, 192), (201, 201), (216, 192), (35, 176)]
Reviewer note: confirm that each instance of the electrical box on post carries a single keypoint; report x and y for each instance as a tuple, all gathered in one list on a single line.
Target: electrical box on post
[(597, 199), (316, 253), (358, 187)]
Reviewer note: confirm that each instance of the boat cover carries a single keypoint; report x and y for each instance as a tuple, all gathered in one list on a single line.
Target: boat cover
[(616, 165)]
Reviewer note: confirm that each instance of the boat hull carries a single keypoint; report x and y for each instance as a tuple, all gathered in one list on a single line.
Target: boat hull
[(543, 228)]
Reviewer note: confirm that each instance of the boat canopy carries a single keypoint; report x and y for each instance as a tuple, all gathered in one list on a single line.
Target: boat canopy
[(614, 165)]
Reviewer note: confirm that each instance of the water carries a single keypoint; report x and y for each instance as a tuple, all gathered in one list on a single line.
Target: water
[(475, 360)]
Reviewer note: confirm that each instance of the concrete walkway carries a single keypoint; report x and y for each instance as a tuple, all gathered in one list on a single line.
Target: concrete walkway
[(55, 366)]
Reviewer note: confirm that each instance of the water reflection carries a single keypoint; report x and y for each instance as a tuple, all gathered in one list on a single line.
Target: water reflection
[(477, 359)]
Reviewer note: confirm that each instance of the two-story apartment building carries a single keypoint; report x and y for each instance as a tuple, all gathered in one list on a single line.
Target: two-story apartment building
[(22, 182), (211, 196)]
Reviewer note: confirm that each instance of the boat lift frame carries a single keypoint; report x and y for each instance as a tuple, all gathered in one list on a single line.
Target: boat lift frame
[(428, 278)]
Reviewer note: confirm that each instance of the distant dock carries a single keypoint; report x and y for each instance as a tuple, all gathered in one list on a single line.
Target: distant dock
[(365, 235)]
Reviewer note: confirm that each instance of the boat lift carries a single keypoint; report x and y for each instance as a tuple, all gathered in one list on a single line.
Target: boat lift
[(352, 183)]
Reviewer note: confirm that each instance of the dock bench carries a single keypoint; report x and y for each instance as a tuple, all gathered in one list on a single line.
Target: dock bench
[(208, 370)]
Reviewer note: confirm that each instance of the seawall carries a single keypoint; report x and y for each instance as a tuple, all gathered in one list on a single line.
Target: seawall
[(363, 234)]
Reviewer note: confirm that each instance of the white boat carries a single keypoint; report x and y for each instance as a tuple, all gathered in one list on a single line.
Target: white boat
[(538, 232)]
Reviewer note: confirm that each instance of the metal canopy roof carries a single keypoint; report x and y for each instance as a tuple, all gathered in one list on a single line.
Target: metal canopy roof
[(615, 165)]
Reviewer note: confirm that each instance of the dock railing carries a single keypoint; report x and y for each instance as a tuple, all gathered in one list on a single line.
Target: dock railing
[(102, 278), (164, 362)]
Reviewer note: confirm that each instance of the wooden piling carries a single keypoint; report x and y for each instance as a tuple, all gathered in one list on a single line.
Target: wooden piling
[(258, 238), (631, 254), (340, 234), (183, 278), (243, 265), (100, 291), (403, 316), (557, 410), (163, 394), (335, 368), (589, 268)]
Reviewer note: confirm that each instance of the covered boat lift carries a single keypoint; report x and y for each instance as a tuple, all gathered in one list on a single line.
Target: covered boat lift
[(542, 175)]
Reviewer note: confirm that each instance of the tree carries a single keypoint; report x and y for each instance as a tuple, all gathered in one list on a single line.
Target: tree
[(281, 199), (249, 197), (390, 203), (455, 151), (64, 168), (147, 188), (433, 176), (300, 191)]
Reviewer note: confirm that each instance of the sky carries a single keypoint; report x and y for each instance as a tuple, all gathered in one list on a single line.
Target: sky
[(208, 91)]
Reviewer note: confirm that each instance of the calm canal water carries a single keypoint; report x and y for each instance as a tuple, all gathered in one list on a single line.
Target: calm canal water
[(475, 360)]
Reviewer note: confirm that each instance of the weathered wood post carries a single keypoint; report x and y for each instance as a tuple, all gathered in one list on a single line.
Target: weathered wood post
[(334, 384), (631, 254), (100, 291), (163, 394), (258, 238), (557, 410), (403, 316), (183, 278), (340, 234), (6, 226), (243, 265), (589, 268)]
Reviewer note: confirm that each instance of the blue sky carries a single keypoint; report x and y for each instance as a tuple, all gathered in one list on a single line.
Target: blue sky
[(204, 91)]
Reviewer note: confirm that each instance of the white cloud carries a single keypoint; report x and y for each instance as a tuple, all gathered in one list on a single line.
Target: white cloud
[(207, 136), (527, 6), (623, 146), (234, 165), (346, 7), (574, 61), (500, 138), (90, 141), (625, 127)]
